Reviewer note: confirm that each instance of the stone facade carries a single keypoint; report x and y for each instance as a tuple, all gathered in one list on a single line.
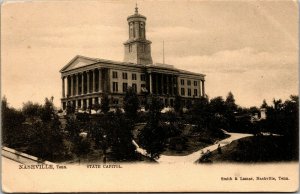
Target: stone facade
[(85, 80)]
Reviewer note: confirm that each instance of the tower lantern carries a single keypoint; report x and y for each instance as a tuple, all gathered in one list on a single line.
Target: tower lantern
[(137, 47)]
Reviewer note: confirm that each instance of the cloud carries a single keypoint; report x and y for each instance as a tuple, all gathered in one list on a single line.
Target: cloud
[(251, 75), (238, 61)]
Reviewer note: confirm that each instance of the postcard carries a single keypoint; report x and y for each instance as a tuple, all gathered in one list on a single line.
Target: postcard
[(149, 96)]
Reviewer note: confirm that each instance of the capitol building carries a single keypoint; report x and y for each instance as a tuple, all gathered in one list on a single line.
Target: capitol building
[(86, 80)]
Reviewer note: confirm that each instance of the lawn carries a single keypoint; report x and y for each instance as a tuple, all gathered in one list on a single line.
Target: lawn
[(191, 141)]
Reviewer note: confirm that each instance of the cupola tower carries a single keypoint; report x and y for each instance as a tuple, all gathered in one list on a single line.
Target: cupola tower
[(137, 47)]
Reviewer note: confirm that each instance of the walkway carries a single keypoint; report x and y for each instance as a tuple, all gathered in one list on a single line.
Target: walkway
[(196, 155)]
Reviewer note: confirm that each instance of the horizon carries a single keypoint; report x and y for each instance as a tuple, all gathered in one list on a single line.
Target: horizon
[(249, 47)]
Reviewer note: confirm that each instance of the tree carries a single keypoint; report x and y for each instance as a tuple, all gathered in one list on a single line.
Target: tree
[(73, 128), (264, 104), (153, 137), (177, 104), (105, 104), (200, 113), (217, 106), (117, 135), (47, 110), (70, 108), (46, 140), (12, 130), (131, 104), (172, 124), (31, 110), (231, 109), (230, 102), (81, 147)]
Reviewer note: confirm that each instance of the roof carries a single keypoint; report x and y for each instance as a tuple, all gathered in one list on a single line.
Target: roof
[(81, 61), (136, 14)]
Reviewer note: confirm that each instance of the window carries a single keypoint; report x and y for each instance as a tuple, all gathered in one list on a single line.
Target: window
[(131, 29), (143, 78), (182, 82), (188, 82), (195, 92), (195, 83), (134, 87), (130, 48), (125, 86), (115, 86), (143, 48), (133, 76), (182, 92), (142, 34), (189, 92), (124, 75), (115, 74)]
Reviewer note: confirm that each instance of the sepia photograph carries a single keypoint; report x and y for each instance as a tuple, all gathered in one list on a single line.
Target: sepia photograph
[(149, 96)]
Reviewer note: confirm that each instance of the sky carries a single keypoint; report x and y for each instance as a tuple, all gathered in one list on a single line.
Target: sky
[(247, 47)]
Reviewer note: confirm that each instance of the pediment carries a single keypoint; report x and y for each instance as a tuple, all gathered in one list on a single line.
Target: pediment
[(78, 61)]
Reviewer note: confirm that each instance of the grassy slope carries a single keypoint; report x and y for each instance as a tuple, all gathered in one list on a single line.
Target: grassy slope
[(195, 141), (254, 149)]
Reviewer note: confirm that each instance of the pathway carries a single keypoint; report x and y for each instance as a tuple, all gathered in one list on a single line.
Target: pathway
[(191, 158)]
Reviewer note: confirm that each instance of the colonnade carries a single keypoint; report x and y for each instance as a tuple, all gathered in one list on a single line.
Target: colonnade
[(163, 84), (82, 83)]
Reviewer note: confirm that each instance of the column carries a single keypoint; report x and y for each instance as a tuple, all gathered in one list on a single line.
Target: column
[(63, 87), (150, 84), (156, 83), (137, 29), (94, 82), (99, 84), (162, 83), (199, 85), (82, 84), (76, 104), (77, 85), (105, 80), (168, 84), (176, 85), (72, 86), (88, 81), (68, 90), (203, 89), (172, 84)]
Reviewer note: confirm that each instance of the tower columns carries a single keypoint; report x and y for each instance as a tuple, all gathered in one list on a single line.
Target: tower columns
[(77, 85), (63, 86), (203, 88), (88, 81), (150, 83), (99, 83), (94, 81), (72, 92), (82, 83), (162, 83)]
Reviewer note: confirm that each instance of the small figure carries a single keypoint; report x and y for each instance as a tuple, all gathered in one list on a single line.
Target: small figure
[(219, 149)]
